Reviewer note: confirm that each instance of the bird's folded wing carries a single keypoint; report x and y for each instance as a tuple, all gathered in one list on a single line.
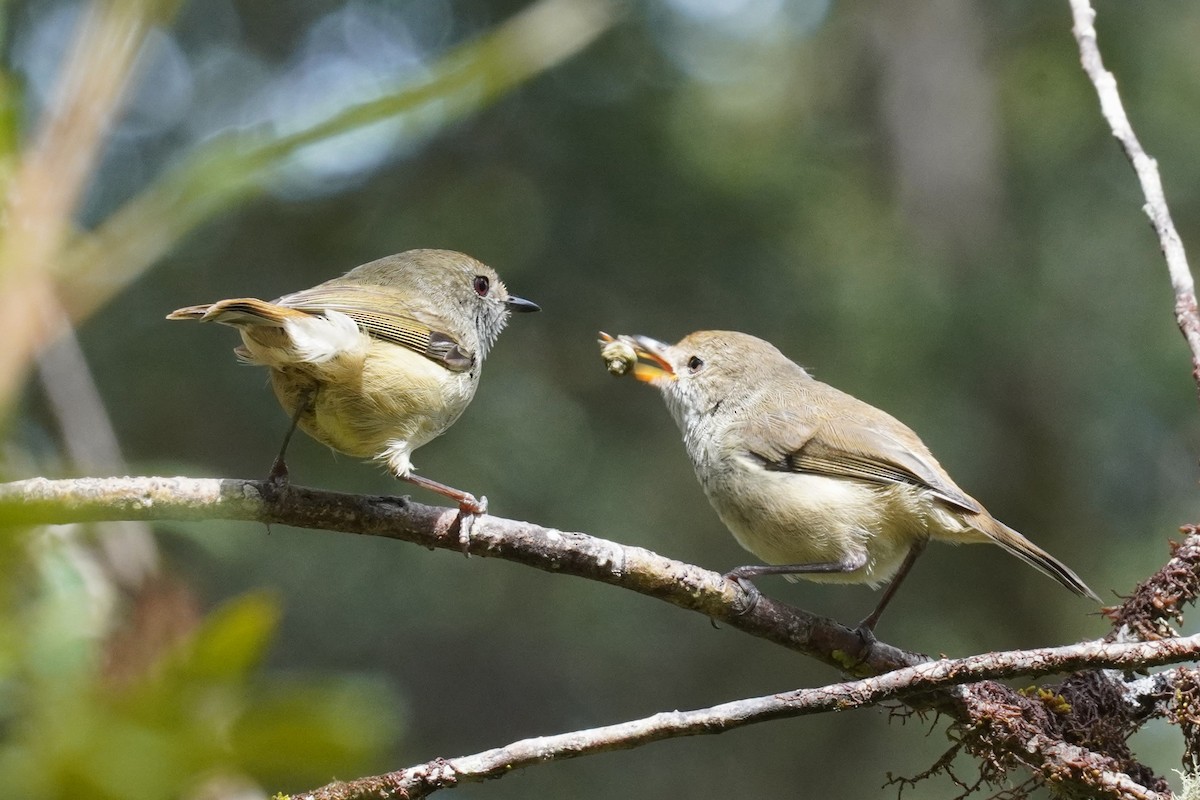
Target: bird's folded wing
[(848, 448), (369, 307)]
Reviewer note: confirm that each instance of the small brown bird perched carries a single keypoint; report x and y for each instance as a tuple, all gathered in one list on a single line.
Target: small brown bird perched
[(816, 483), (379, 361)]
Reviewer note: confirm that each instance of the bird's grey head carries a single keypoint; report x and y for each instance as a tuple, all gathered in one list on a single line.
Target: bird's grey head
[(461, 295)]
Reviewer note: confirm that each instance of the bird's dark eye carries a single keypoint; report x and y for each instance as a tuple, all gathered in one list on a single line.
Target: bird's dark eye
[(482, 284), (695, 363)]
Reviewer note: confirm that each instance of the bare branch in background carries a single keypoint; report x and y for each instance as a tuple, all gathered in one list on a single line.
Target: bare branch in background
[(53, 172), (128, 549), (1186, 314)]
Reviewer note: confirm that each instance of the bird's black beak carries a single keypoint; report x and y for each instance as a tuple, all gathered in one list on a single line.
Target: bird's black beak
[(520, 304)]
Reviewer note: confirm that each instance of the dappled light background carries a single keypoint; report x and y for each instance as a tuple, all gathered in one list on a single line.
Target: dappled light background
[(917, 200)]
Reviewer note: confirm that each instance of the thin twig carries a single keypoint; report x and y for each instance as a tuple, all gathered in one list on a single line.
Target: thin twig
[(1186, 314), (441, 773), (1159, 600)]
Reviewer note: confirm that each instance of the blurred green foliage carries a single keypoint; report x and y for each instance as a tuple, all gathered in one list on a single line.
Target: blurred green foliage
[(919, 201), (201, 718)]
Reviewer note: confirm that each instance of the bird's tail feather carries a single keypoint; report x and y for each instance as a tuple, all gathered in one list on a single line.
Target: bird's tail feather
[(1031, 554), (239, 311)]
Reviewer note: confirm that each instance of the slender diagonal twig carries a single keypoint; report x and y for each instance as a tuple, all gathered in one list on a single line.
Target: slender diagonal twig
[(52, 172), (1186, 314)]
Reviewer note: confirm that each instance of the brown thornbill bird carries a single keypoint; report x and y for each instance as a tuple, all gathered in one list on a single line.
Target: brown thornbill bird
[(379, 361), (816, 483)]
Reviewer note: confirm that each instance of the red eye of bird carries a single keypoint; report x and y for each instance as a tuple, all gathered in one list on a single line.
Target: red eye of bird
[(482, 284)]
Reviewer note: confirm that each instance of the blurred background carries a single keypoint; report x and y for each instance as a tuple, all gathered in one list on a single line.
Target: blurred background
[(916, 199)]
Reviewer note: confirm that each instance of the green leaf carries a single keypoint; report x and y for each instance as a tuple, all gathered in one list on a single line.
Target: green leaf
[(233, 639)]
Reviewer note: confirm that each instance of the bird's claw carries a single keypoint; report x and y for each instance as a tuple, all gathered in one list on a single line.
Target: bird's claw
[(750, 594), (278, 476), (473, 506), (866, 634), (469, 509)]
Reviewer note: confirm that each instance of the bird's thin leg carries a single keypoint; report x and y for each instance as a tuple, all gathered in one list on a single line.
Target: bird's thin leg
[(866, 628), (742, 575), (467, 502), (279, 471), (848, 564)]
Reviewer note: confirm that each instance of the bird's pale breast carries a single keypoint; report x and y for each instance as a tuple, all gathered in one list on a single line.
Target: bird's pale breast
[(802, 518), (396, 402)]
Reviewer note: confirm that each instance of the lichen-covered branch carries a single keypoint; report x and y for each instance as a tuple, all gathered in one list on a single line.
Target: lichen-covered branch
[(1158, 601), (1107, 706), (1184, 698)]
